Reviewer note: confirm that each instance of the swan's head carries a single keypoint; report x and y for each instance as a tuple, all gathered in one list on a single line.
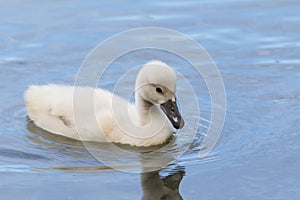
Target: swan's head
[(156, 85)]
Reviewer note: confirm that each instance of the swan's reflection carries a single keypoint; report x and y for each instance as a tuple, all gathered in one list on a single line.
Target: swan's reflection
[(154, 185)]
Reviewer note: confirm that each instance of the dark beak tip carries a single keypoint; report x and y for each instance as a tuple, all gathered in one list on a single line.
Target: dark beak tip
[(171, 110), (180, 125)]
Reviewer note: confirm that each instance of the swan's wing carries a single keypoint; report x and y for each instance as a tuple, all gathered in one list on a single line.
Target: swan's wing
[(47, 109), (51, 107)]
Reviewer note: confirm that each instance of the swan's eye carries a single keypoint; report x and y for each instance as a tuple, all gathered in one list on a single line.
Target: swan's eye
[(159, 90)]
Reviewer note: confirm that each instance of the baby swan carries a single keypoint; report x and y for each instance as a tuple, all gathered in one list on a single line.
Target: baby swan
[(90, 114)]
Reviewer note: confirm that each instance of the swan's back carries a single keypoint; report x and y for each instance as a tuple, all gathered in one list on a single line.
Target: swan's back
[(51, 108)]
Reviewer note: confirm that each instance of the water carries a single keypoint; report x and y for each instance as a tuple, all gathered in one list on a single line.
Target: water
[(256, 47)]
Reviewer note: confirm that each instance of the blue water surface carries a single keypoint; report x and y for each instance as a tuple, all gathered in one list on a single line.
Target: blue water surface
[(256, 46)]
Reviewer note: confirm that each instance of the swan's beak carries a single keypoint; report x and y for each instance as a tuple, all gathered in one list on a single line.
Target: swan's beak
[(171, 110)]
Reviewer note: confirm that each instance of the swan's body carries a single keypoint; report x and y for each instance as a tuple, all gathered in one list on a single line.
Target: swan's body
[(90, 114)]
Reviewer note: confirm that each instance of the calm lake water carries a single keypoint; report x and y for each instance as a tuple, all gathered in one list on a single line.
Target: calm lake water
[(256, 46)]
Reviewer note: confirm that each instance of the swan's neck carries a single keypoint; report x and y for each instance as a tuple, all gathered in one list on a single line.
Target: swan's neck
[(152, 121), (143, 110)]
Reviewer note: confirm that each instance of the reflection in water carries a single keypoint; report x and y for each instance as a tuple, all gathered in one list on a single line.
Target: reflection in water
[(117, 156), (153, 185), (156, 187)]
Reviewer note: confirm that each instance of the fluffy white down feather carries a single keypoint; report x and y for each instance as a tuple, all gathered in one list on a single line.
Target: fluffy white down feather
[(90, 114)]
